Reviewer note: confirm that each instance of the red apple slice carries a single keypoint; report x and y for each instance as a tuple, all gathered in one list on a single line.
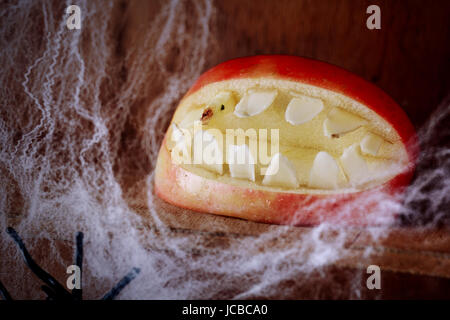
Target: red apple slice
[(318, 151)]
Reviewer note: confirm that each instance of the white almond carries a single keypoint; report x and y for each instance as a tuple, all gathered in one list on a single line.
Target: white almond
[(281, 172), (254, 102), (241, 162), (207, 151), (302, 109), (371, 143), (324, 172), (177, 134), (181, 152), (339, 121), (354, 165)]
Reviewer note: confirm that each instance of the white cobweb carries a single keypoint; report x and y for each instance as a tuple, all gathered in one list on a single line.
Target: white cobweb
[(77, 109)]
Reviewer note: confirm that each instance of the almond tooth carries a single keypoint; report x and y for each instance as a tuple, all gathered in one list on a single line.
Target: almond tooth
[(281, 172), (371, 143), (177, 134), (241, 162), (302, 109), (207, 152), (339, 121), (181, 152), (354, 165), (324, 172), (254, 102)]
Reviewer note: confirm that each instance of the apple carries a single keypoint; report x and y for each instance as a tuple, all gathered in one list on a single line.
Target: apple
[(344, 146)]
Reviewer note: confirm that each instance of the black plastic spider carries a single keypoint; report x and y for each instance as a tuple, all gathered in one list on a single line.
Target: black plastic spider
[(52, 288)]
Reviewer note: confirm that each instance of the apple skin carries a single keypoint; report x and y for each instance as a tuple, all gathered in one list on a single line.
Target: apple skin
[(185, 189)]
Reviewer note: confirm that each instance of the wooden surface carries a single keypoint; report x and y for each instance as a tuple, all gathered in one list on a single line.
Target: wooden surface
[(414, 263)]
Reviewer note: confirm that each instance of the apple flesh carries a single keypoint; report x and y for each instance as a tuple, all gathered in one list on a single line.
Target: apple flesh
[(334, 130)]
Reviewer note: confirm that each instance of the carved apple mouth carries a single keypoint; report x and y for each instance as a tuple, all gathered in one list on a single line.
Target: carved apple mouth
[(327, 142)]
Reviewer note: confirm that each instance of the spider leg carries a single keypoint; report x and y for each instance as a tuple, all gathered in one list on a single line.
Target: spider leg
[(4, 293), (121, 284), (60, 292), (49, 292), (78, 293)]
